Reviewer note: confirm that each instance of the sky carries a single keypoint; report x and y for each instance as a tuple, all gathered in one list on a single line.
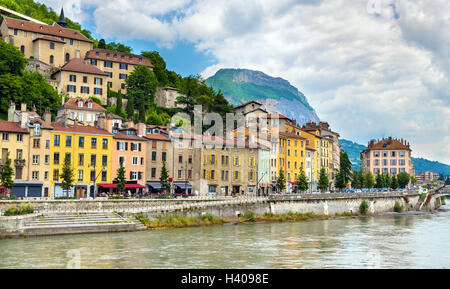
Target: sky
[(371, 68)]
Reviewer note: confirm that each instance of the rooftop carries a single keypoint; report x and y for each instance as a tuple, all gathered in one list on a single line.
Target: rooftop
[(54, 29), (78, 65), (74, 103), (80, 129), (9, 126), (116, 56)]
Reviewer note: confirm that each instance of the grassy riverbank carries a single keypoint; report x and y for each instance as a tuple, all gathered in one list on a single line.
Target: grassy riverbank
[(249, 217)]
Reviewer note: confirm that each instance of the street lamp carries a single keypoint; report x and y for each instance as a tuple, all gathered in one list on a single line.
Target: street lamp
[(96, 177)]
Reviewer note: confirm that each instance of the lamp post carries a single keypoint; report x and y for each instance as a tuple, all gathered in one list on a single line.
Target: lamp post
[(96, 177)]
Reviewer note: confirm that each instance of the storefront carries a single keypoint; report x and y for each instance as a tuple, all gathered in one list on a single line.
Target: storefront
[(131, 189), (154, 187), (182, 188), (27, 190)]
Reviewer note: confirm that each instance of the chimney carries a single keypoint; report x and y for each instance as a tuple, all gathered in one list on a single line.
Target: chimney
[(47, 116), (11, 111), (23, 106), (101, 122), (129, 123), (140, 129), (23, 119)]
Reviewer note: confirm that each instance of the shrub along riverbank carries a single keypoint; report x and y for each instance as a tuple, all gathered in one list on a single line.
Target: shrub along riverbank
[(249, 217)]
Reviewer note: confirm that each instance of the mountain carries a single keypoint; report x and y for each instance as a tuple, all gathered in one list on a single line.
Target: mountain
[(276, 94), (420, 164)]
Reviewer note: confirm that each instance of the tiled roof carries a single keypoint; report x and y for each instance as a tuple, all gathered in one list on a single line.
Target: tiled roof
[(244, 104), (80, 129), (292, 135), (102, 55), (49, 38), (389, 144), (157, 137), (78, 65), (113, 116), (54, 29), (277, 115), (41, 122), (73, 103), (9, 126), (128, 137)]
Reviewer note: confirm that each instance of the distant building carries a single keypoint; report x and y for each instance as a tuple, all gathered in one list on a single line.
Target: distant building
[(79, 111), (427, 176), (388, 155), (167, 97)]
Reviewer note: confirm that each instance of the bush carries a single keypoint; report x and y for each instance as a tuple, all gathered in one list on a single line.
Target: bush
[(208, 216), (422, 197), (65, 198), (23, 210), (250, 216), (398, 208), (443, 200), (364, 207)]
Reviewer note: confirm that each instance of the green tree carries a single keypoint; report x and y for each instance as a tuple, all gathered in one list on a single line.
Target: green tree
[(159, 66), (394, 183), (130, 107), (12, 60), (164, 178), (403, 179), (302, 181), (355, 180), (67, 176), (368, 180), (345, 165), (6, 174), (101, 44), (340, 182), (119, 105), (323, 180), (189, 87), (379, 181), (281, 181), (120, 179), (220, 105)]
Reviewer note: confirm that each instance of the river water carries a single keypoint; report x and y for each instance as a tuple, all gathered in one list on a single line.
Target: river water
[(421, 241)]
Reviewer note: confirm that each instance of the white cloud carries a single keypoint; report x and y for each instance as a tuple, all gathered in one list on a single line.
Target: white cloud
[(368, 75)]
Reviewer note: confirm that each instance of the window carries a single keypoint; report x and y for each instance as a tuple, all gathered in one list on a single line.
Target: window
[(393, 153), (55, 175), (81, 159), (98, 81), (5, 136), (56, 159), (153, 172), (121, 160), (108, 64), (121, 146), (385, 154), (22, 49), (393, 171), (122, 76), (393, 162), (94, 62), (15, 31), (93, 160), (85, 89), (401, 162), (135, 161), (71, 88), (163, 156), (133, 176), (46, 175), (153, 156), (94, 143), (81, 142), (52, 58), (56, 140), (68, 141), (180, 158), (104, 176), (180, 174), (71, 41), (35, 159), (80, 175), (105, 143), (104, 160), (47, 159), (124, 66), (109, 75), (67, 57), (98, 91), (52, 45), (92, 176)]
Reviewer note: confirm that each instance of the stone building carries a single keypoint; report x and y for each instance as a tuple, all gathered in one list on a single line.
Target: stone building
[(387, 155), (80, 111), (167, 97), (116, 65), (78, 79), (53, 44)]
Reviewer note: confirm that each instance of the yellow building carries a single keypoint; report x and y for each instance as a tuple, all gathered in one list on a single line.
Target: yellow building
[(117, 65), (90, 151), (52, 44), (78, 79)]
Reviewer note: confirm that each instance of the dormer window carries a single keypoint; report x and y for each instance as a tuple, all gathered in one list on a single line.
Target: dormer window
[(115, 56), (90, 105), (21, 24), (131, 58), (40, 27), (60, 31), (97, 53), (107, 55), (37, 129), (80, 104), (140, 59)]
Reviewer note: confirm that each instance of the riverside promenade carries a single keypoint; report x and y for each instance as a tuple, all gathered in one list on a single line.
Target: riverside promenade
[(121, 212)]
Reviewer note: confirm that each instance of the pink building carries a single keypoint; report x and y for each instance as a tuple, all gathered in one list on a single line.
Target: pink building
[(388, 155)]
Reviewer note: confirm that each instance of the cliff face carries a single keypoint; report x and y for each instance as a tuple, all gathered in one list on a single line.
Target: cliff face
[(276, 94)]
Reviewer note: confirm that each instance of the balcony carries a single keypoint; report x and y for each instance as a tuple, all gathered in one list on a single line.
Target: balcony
[(19, 162)]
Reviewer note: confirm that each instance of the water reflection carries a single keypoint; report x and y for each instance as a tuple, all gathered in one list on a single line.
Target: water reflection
[(381, 242)]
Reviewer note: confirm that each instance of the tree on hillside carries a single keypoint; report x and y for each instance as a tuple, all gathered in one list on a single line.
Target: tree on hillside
[(281, 181), (6, 174), (403, 179), (141, 86), (189, 87), (323, 180), (130, 107), (119, 105), (302, 181), (355, 180), (12, 60), (120, 179), (159, 66), (164, 178), (220, 105), (101, 44), (67, 176)]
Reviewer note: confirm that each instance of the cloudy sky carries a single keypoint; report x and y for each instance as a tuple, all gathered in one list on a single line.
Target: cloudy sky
[(371, 68)]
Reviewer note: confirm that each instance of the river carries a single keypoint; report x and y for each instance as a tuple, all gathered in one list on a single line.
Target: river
[(421, 241)]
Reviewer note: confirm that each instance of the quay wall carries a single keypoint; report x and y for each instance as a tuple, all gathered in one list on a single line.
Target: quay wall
[(327, 204)]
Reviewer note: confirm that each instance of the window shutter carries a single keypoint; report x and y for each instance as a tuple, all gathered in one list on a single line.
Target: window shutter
[(239, 161), (126, 146), (88, 89), (118, 145), (140, 146)]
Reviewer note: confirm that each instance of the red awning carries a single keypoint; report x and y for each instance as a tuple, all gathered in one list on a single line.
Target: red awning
[(127, 186), (134, 186), (2, 188), (108, 186)]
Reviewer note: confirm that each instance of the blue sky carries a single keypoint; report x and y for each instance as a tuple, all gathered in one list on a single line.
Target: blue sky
[(371, 68)]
